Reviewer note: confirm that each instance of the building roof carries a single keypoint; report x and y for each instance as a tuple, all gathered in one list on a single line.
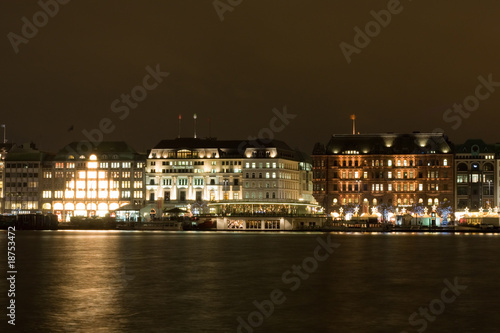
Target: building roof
[(476, 147), (25, 152), (105, 150), (385, 143), (230, 148)]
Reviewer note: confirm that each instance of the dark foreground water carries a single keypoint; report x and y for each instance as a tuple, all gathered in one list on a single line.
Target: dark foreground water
[(70, 281)]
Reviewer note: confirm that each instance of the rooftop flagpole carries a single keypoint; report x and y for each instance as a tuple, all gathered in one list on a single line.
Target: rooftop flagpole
[(180, 117), (194, 117), (353, 117)]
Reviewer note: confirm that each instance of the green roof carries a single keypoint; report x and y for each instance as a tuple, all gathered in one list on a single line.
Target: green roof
[(106, 150)]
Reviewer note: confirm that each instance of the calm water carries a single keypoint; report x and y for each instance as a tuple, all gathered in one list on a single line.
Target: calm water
[(71, 281)]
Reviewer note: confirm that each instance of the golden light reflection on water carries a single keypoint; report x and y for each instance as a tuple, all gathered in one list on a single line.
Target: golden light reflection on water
[(90, 283)]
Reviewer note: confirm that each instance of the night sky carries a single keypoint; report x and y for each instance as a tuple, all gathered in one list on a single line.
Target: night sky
[(263, 55)]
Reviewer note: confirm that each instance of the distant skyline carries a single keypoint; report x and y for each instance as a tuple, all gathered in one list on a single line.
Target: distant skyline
[(407, 64)]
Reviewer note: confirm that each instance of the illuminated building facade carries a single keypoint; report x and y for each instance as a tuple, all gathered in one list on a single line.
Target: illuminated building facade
[(476, 175), (22, 179), (392, 170), (4, 149), (93, 182), (221, 176)]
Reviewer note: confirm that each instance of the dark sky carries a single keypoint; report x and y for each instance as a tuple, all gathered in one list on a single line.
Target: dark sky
[(265, 54)]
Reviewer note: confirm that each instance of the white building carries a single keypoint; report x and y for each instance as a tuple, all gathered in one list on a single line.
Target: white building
[(206, 176)]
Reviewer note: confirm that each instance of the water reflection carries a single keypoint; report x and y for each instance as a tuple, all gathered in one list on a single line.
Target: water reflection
[(202, 282)]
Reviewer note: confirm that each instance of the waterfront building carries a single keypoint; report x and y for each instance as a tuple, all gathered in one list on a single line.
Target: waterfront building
[(22, 179), (230, 178), (386, 171), (94, 181), (476, 167), (4, 149)]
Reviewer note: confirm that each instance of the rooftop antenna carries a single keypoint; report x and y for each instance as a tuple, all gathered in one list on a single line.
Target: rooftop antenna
[(209, 127), (4, 131), (180, 117), (194, 117), (353, 118)]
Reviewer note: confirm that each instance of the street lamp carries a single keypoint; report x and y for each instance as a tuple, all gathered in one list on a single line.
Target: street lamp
[(359, 199), (489, 190)]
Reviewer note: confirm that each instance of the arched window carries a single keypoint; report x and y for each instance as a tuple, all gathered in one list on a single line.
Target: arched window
[(445, 162), (488, 167), (429, 202)]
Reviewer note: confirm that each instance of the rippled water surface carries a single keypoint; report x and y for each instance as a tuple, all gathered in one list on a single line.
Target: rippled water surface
[(75, 281)]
